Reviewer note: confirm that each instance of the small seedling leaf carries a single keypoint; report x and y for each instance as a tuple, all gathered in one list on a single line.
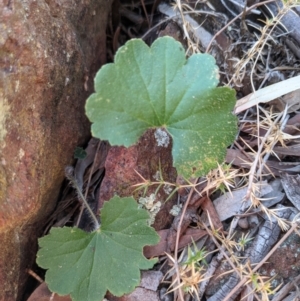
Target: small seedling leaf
[(79, 153), (86, 265), (157, 87)]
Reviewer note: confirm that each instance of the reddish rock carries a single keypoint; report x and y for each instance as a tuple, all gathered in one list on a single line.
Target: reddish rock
[(49, 53), (147, 158)]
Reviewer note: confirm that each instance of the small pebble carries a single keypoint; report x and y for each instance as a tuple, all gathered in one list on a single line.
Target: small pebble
[(243, 223)]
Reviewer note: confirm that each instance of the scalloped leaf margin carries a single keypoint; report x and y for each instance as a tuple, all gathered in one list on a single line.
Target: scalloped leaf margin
[(86, 265), (157, 87)]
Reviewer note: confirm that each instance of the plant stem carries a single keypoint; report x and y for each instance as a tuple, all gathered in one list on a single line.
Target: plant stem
[(72, 179), (88, 207)]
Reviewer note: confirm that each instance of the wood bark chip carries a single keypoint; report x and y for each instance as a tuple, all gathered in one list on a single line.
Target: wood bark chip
[(291, 185), (229, 203), (286, 290), (263, 242), (290, 20)]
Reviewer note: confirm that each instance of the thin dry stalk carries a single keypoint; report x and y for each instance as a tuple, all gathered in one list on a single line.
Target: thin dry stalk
[(234, 19), (177, 239), (261, 144), (243, 281), (88, 183), (266, 35), (223, 251)]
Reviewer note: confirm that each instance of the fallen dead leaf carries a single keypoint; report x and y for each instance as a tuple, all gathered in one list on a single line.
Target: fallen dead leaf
[(42, 293)]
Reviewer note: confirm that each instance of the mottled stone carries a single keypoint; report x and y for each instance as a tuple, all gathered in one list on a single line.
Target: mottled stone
[(148, 157), (49, 53)]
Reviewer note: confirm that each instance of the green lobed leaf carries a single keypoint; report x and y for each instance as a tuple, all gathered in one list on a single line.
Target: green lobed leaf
[(152, 87), (86, 265)]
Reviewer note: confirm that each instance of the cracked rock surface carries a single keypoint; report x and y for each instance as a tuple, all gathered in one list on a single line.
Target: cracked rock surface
[(49, 54)]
